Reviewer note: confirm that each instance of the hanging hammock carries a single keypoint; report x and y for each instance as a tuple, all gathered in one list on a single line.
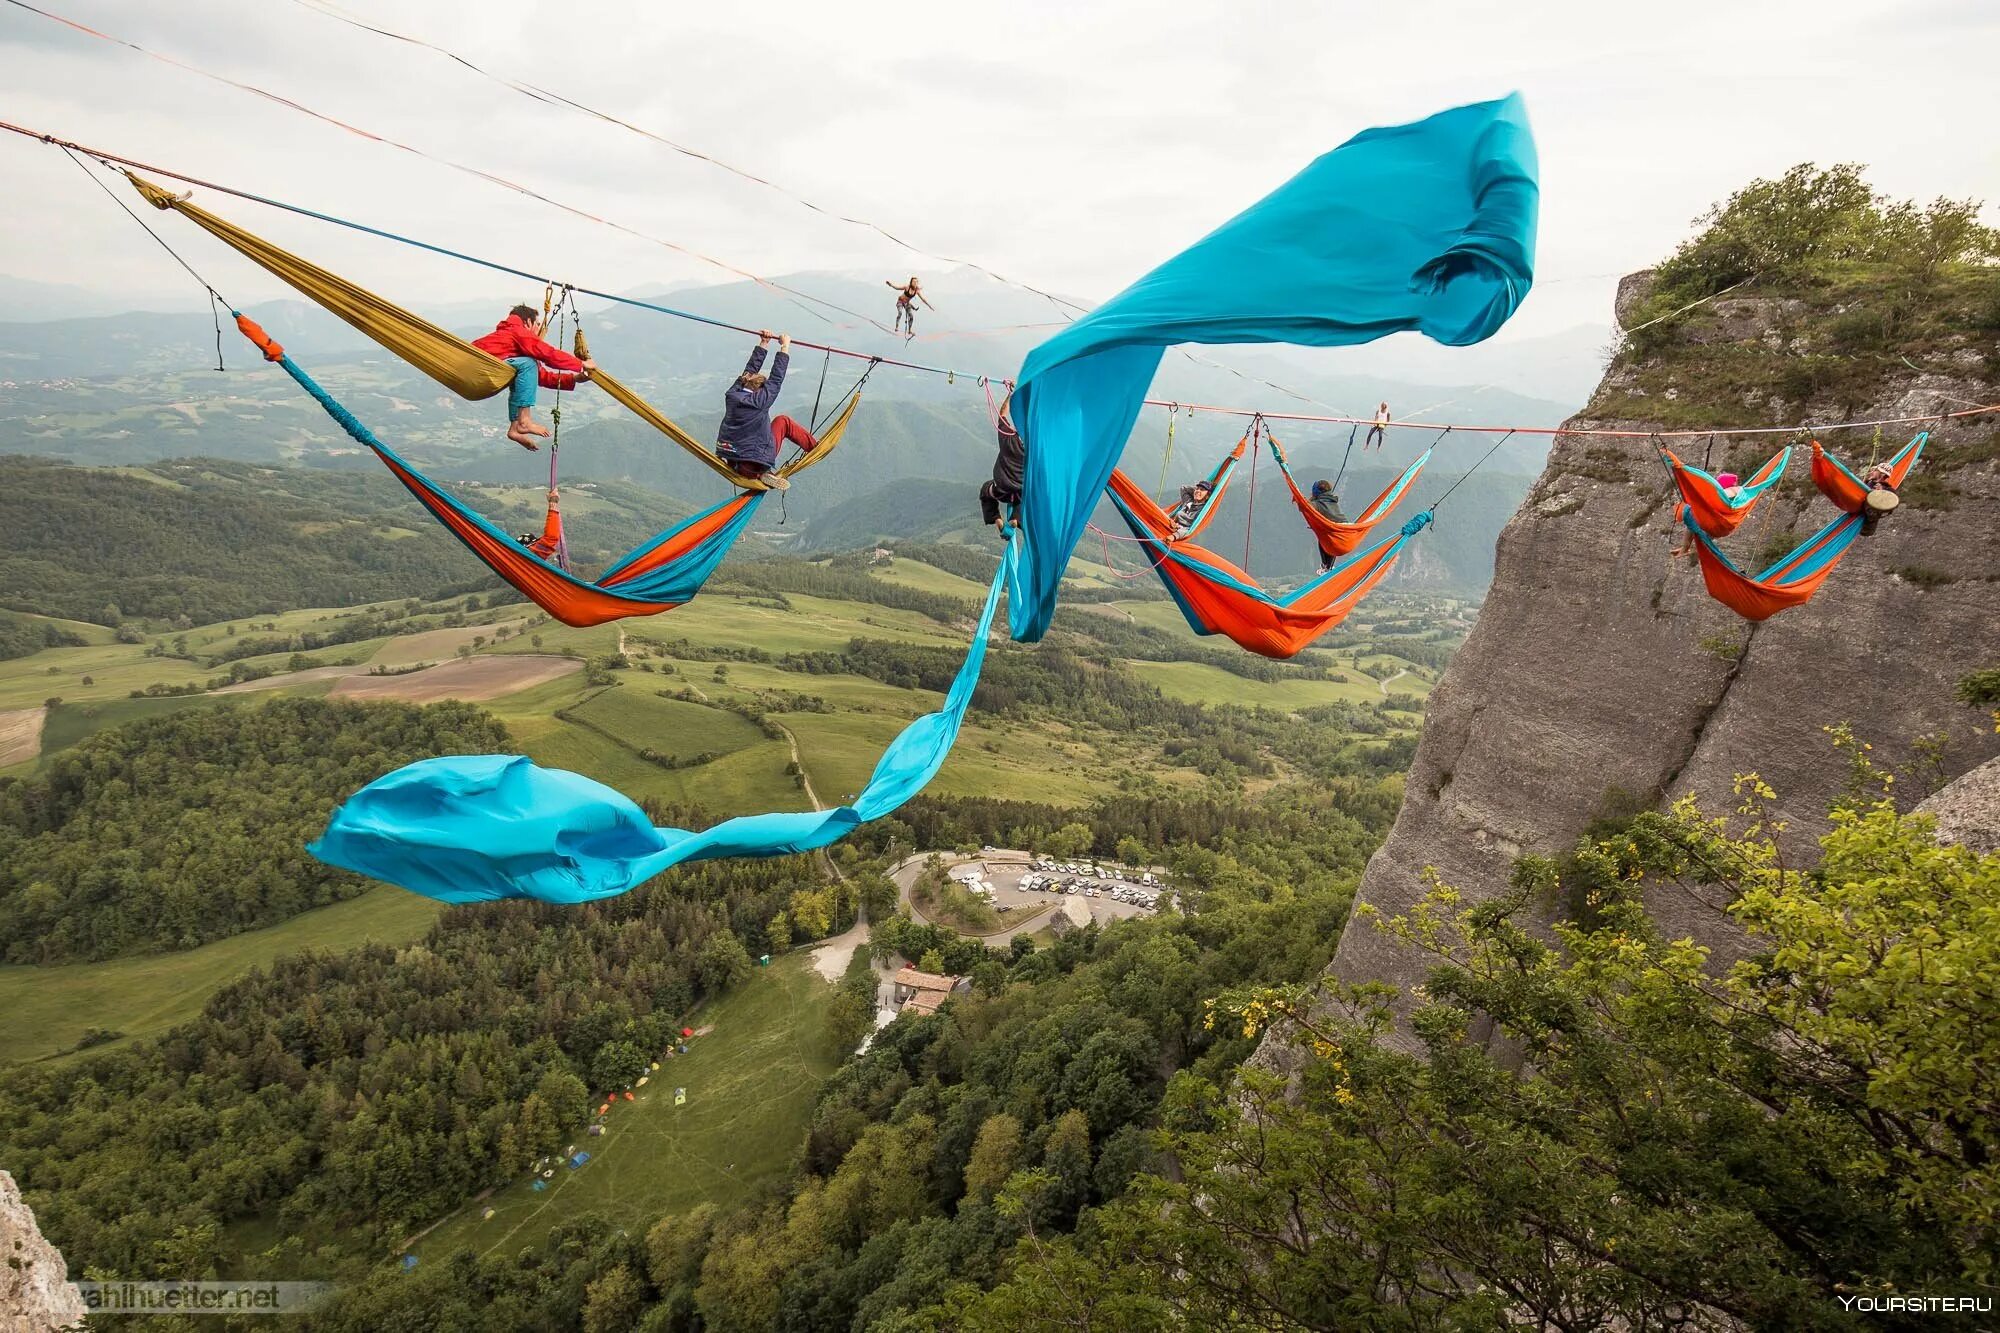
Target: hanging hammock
[(1703, 497), (1219, 598), (657, 576), (1848, 492), (444, 356), (1339, 539), (1790, 582)]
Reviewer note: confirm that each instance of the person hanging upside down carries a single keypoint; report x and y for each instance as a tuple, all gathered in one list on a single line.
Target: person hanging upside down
[(1010, 469), (1189, 509), (749, 437), (548, 542), (1327, 503), (1732, 491), (518, 341), (907, 295)]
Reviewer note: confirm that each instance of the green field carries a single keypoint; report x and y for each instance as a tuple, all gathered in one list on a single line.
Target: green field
[(751, 1085), (929, 578), (1196, 682), (49, 1008)]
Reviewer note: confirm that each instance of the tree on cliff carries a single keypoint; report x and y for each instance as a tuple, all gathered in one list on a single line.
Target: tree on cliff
[(1695, 1148), (1796, 226)]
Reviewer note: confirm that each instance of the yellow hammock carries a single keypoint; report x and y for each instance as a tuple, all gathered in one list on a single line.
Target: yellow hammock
[(439, 353)]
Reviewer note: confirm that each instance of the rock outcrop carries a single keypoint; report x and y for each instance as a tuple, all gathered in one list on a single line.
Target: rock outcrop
[(1602, 679), (1968, 810), (35, 1292)]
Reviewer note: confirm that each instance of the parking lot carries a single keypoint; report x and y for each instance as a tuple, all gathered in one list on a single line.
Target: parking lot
[(1021, 879)]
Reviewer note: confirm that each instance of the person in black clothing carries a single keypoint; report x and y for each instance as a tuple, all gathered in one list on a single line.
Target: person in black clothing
[(1189, 509), (1328, 504), (1010, 468)]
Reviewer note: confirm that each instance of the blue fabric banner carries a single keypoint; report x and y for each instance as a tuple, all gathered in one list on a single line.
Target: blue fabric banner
[(478, 827), (1429, 226)]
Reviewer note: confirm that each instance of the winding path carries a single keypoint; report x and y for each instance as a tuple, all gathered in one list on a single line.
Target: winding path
[(1384, 685)]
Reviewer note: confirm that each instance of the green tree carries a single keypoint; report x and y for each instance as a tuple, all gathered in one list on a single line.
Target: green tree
[(779, 933), (995, 1153), (1678, 1120), (850, 1015), (1071, 840), (612, 1303), (676, 1244), (616, 1065), (723, 963)]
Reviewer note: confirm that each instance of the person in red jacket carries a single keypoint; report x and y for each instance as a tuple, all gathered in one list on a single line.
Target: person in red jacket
[(518, 342)]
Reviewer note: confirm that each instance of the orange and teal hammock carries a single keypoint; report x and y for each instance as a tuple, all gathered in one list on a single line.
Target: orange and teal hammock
[(1219, 598), (656, 576), (1797, 576), (1710, 507), (1339, 539)]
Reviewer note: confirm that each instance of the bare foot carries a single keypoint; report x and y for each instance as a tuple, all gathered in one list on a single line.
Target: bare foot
[(523, 438)]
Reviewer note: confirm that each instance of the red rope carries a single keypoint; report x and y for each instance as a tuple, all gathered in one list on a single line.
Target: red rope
[(1250, 523)]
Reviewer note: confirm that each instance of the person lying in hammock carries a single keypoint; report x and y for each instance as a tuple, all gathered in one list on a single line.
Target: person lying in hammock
[(749, 438), (518, 342), (1185, 513), (907, 295), (1732, 491), (1874, 507), (1010, 468), (1327, 503)]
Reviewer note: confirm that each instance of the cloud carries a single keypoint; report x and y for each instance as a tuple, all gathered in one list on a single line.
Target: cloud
[(1069, 145)]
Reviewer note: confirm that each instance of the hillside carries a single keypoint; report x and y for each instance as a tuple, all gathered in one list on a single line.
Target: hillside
[(203, 541)]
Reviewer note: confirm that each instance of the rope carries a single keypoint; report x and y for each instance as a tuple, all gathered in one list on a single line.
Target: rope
[(791, 294), (161, 241), (109, 158), (1250, 520), (1347, 454), (1173, 411), (1469, 471), (820, 389), (548, 97)]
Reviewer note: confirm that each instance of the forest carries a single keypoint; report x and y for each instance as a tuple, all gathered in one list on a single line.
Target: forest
[(178, 830), (99, 545), (1699, 1149)]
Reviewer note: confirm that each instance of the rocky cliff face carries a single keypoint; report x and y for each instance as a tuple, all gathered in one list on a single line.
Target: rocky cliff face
[(35, 1293), (1602, 679)]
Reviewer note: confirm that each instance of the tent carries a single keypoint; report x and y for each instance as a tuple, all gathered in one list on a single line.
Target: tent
[(578, 1160), (680, 1096)]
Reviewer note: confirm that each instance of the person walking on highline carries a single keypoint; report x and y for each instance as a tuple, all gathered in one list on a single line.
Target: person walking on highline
[(907, 295)]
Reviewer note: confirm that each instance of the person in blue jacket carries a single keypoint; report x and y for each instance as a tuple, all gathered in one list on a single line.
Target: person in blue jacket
[(749, 437)]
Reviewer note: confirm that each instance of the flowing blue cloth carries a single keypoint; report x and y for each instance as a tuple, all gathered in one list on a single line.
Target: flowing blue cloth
[(477, 827), (1429, 226)]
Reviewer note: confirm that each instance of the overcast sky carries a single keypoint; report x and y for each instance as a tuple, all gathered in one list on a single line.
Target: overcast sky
[(1069, 144)]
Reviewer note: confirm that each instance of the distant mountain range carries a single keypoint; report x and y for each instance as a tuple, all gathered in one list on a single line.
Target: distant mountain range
[(136, 387)]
